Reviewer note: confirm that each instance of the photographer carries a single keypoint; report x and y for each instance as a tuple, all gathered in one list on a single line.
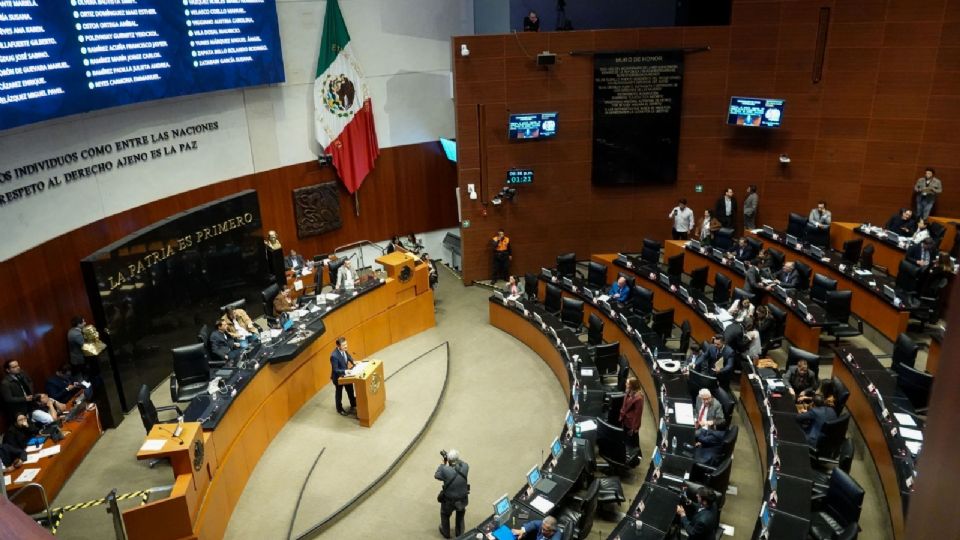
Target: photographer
[(453, 496)]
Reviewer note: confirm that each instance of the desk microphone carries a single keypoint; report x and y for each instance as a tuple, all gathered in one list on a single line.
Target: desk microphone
[(173, 434), (179, 430)]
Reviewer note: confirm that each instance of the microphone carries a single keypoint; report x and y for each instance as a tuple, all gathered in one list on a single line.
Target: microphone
[(173, 434), (179, 430)]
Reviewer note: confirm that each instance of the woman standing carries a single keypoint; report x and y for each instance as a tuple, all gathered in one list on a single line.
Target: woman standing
[(631, 412)]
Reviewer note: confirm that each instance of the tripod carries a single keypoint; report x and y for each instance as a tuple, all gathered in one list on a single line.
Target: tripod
[(563, 23)]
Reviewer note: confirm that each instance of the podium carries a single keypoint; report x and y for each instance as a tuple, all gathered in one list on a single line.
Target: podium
[(411, 274), (371, 391)]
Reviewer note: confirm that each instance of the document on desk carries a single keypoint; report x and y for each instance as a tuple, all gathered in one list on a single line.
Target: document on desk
[(724, 316), (52, 451), (541, 504), (913, 447), (7, 479), (275, 332), (587, 425), (27, 475), (34, 447), (910, 433), (586, 372), (603, 298), (357, 369), (683, 413), (152, 445), (862, 272), (904, 419), (33, 458)]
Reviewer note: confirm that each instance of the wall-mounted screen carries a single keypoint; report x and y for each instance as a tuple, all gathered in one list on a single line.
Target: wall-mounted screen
[(62, 58), (755, 112), (520, 176), (533, 125), (449, 148)]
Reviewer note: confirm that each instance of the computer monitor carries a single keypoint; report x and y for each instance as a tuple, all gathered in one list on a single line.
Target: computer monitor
[(533, 476), (694, 244), (802, 306), (768, 230), (702, 305), (664, 279), (892, 236), (889, 292), (765, 516), (553, 333), (773, 479), (556, 448), (570, 421), (780, 290), (791, 240), (684, 293), (657, 458), (851, 250), (498, 295), (546, 272), (817, 251), (538, 318), (501, 508), (738, 264), (623, 319), (717, 253), (567, 282)]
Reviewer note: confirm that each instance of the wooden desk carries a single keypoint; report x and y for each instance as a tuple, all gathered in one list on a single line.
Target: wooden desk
[(751, 404), (862, 413), (371, 390), (950, 231), (19, 526), (873, 309), (56, 470), (933, 354), (370, 322), (884, 254), (514, 324)]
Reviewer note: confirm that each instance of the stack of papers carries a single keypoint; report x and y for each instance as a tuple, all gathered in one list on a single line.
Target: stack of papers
[(914, 447), (357, 369), (862, 272), (683, 412), (587, 425), (603, 298), (27, 475), (910, 433), (541, 504), (32, 458), (152, 445), (52, 451), (904, 419), (586, 372)]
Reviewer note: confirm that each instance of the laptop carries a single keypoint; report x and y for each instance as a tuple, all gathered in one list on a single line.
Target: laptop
[(738, 264), (537, 482), (502, 510), (556, 448), (892, 236), (664, 279), (694, 244), (802, 306), (889, 292), (791, 240), (768, 230), (717, 253)]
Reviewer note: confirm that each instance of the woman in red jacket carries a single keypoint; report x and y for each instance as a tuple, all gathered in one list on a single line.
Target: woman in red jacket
[(631, 412)]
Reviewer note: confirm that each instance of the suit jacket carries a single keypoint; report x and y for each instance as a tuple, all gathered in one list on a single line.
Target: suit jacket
[(75, 346), (221, 344), (714, 411), (14, 397), (744, 253), (338, 364), (721, 209), (935, 185), (812, 422), (244, 321), (703, 524), (915, 254), (751, 282), (56, 388), (290, 259), (708, 359), (903, 227), (799, 385), (750, 204), (788, 280)]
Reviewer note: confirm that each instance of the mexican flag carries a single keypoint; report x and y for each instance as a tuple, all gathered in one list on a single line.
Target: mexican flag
[(342, 110)]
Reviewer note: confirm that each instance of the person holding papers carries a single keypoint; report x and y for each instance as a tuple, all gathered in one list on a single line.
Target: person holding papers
[(708, 410), (282, 303), (346, 276), (922, 254), (619, 291), (340, 362), (539, 530), (239, 325), (902, 223)]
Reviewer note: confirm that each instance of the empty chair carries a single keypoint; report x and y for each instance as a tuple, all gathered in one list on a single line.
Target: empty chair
[(683, 341), (150, 413), (804, 271), (594, 330), (904, 351), (838, 513), (596, 275), (191, 372), (776, 259), (796, 225), (552, 300), (530, 286), (908, 278), (728, 404), (866, 257), (723, 239), (773, 337), (641, 298), (716, 478), (755, 245), (607, 357), (698, 278), (614, 448), (721, 289), (838, 316), (815, 236), (832, 436), (851, 250), (651, 251), (580, 509), (821, 286), (571, 313), (236, 304), (662, 325), (675, 268), (268, 295), (567, 264), (915, 385)]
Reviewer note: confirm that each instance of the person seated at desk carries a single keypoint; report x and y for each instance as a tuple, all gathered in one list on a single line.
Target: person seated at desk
[(61, 386), (692, 356), (788, 277), (743, 251), (294, 261), (709, 411), (708, 227), (814, 418), (716, 360), (395, 245), (433, 277), (741, 309), (763, 321), (703, 525), (631, 412), (619, 291), (752, 280), (800, 378), (239, 324), (282, 303), (921, 233), (16, 440), (902, 223), (222, 344), (346, 276), (16, 391), (545, 529), (922, 254), (820, 217), (750, 333), (512, 288)]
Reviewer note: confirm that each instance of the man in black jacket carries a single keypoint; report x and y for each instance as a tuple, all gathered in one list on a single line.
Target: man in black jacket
[(340, 362), (726, 210), (902, 223), (16, 391), (222, 344), (813, 420), (703, 525), (453, 497), (922, 254)]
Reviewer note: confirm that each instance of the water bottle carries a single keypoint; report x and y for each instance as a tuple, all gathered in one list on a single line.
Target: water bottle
[(673, 445), (573, 446), (584, 391), (639, 525)]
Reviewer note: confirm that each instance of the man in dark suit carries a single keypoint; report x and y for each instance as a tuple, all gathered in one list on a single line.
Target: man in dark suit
[(75, 343), (752, 282), (716, 360), (222, 344), (61, 386), (453, 498), (800, 378), (294, 261), (788, 277), (813, 420), (902, 223), (340, 362), (922, 254), (726, 210), (16, 391), (743, 251), (703, 525)]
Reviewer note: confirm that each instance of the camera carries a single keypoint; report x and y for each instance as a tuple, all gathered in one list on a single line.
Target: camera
[(443, 454)]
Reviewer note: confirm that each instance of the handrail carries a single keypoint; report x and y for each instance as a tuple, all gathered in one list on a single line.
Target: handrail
[(359, 244), (43, 494)]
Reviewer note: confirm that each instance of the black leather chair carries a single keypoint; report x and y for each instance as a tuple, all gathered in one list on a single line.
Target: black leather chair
[(697, 381), (531, 285), (837, 514), (821, 286), (332, 268), (866, 257), (651, 251), (607, 357), (203, 336), (928, 308), (675, 268), (641, 299), (840, 395), (191, 372), (721, 289), (915, 384), (804, 271), (728, 404), (614, 449), (571, 313), (796, 225), (683, 341), (631, 279), (776, 334), (567, 527), (851, 250), (716, 478), (740, 294), (268, 295), (904, 351), (815, 236), (594, 330), (838, 316), (610, 493), (567, 264), (662, 325), (832, 437), (236, 304), (937, 232), (612, 402), (755, 245), (698, 278), (552, 302), (723, 239), (795, 354), (777, 259), (596, 275), (150, 413), (908, 279), (580, 509)]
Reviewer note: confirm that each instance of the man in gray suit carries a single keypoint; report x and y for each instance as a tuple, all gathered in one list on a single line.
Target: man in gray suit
[(750, 204), (927, 188), (453, 497), (708, 410)]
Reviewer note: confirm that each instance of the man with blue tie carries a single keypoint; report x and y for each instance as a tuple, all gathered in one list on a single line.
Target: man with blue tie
[(340, 362)]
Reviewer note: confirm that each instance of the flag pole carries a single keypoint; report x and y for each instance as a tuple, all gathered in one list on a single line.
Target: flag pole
[(356, 202)]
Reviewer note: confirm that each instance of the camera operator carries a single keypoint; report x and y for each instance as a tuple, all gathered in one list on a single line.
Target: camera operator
[(453, 496)]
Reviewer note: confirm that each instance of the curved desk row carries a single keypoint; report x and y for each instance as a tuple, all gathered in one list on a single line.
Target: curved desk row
[(213, 466)]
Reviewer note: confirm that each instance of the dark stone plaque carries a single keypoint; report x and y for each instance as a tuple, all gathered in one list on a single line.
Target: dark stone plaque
[(636, 116), (317, 209)]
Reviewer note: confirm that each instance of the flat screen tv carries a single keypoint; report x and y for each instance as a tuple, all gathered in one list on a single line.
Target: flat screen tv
[(755, 112), (532, 125), (450, 148)]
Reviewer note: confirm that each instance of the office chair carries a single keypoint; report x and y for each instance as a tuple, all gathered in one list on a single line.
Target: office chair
[(837, 513), (606, 356), (567, 527), (716, 478), (531, 286), (236, 304), (795, 354), (937, 232), (721, 289), (191, 372), (755, 245), (610, 493), (851, 250), (552, 300), (631, 279), (332, 268), (904, 351), (915, 385), (571, 313), (776, 259), (723, 239), (696, 381), (641, 299), (612, 402), (728, 404), (683, 341), (866, 257), (821, 286), (698, 278), (796, 225), (908, 279), (567, 264), (838, 316), (662, 325), (928, 308), (581, 509), (675, 268), (740, 294), (596, 275), (594, 330), (815, 236), (613, 448), (840, 393), (775, 334), (832, 437), (651, 251), (268, 295), (804, 271), (150, 413)]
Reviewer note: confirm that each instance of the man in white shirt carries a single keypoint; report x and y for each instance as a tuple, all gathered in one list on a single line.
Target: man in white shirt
[(346, 277), (683, 221), (709, 411)]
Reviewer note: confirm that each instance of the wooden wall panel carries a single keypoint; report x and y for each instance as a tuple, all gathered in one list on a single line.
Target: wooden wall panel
[(411, 189), (885, 108)]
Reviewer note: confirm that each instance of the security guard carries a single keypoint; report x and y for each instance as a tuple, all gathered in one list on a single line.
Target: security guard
[(501, 256)]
